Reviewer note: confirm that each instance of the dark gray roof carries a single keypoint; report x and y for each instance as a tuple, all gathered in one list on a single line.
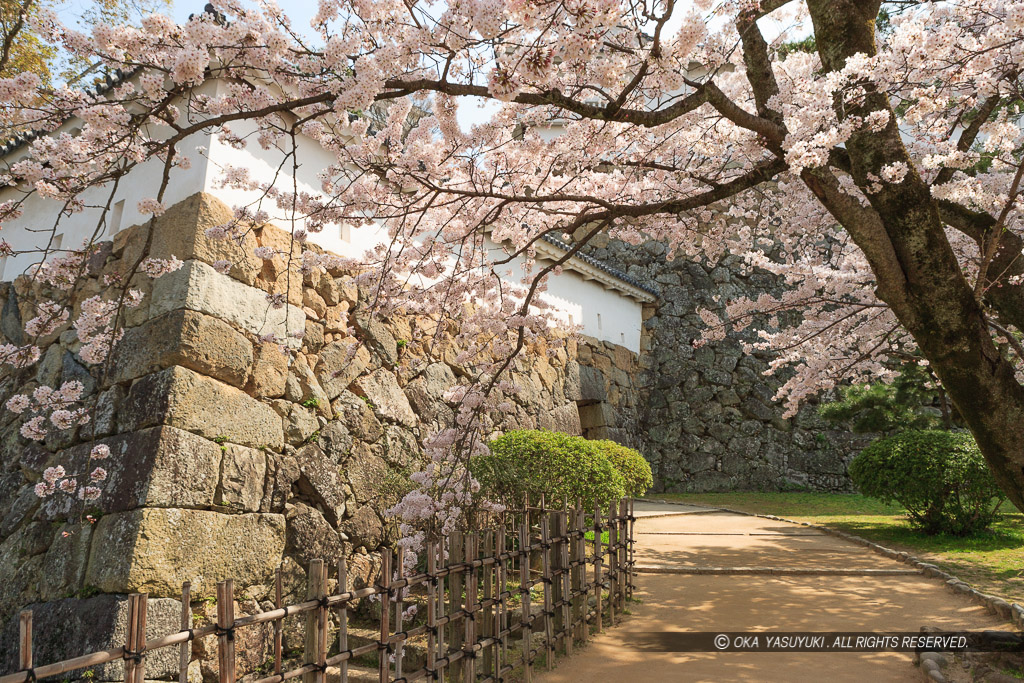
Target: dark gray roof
[(109, 82), (601, 265)]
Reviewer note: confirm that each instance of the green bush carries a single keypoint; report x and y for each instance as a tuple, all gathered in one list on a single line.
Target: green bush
[(633, 467), (940, 478), (564, 468)]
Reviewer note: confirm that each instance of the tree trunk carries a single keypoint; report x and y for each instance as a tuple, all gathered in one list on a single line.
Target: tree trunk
[(916, 270)]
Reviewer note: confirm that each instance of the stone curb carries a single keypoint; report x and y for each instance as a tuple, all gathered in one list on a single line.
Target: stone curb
[(997, 606), (774, 571)]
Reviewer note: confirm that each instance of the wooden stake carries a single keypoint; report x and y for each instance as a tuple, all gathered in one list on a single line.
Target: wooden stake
[(225, 626), (278, 623), (524, 592), (545, 540), (185, 649), (469, 661), (399, 646), (343, 614), (135, 639), (316, 589), (385, 613), (456, 548), (431, 610), (598, 578), (25, 641)]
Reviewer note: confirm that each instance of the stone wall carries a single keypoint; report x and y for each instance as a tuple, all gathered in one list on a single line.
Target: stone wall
[(227, 458), (707, 418)]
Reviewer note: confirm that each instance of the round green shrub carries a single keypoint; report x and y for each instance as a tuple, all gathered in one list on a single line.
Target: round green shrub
[(533, 462), (940, 477), (633, 467)]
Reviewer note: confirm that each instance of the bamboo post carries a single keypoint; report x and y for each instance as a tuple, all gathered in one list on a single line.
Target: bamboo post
[(621, 525), (316, 589), (278, 623), (185, 648), (456, 547), (579, 600), (524, 592), (598, 578), (442, 648), (631, 521), (400, 645), (25, 641), (488, 612), (343, 615), (472, 607), (225, 630), (564, 581), (135, 640), (431, 612), (557, 569), (613, 564), (385, 612), (501, 652), (545, 541)]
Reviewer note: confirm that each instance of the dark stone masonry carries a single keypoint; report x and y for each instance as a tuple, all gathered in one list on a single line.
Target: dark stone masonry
[(707, 418)]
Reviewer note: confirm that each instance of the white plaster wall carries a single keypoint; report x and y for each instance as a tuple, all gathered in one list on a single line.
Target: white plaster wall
[(601, 312)]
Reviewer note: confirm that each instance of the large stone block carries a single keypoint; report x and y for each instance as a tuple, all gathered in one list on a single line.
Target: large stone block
[(381, 389), (155, 549), (565, 418), (193, 340), (73, 627), (198, 287), (182, 398), (181, 232), (157, 467)]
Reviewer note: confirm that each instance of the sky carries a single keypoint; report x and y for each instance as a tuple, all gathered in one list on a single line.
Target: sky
[(471, 110)]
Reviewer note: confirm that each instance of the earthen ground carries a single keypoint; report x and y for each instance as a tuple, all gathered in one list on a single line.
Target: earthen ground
[(694, 538)]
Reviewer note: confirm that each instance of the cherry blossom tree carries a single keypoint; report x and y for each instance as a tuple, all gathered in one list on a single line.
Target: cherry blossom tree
[(877, 172)]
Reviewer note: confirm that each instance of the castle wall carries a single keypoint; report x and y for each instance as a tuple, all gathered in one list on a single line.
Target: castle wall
[(228, 460), (708, 420)]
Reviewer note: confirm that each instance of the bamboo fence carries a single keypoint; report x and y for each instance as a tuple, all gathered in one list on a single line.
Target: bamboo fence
[(472, 631)]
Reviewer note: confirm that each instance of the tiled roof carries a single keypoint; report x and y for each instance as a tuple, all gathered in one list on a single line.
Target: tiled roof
[(109, 82), (601, 265)]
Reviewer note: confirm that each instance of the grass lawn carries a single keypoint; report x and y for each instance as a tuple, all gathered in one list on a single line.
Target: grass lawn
[(991, 561)]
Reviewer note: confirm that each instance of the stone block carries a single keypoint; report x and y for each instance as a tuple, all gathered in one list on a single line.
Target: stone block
[(157, 467), (310, 536), (364, 528), (592, 384), (155, 549), (181, 232), (192, 340), (377, 337), (319, 482), (73, 627), (269, 372), (242, 475), (596, 415), (187, 400), (565, 418), (338, 365), (65, 561), (196, 286), (381, 389)]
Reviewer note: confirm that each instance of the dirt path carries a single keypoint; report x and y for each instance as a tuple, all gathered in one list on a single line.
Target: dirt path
[(821, 583)]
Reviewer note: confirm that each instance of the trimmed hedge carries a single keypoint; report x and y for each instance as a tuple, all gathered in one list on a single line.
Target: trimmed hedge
[(940, 477), (562, 467), (633, 467)]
